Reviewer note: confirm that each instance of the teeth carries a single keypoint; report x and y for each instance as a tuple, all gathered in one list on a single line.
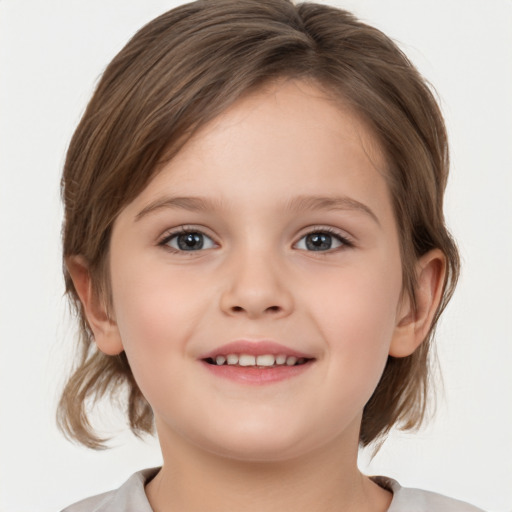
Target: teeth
[(280, 359), (246, 360), (266, 360), (232, 359)]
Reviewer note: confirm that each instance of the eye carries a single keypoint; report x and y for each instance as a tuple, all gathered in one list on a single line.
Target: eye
[(322, 241), (188, 240)]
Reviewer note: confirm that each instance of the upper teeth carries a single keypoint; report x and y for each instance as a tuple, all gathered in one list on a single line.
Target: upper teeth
[(263, 360)]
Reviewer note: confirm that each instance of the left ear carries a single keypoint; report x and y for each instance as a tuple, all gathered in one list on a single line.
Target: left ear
[(413, 323)]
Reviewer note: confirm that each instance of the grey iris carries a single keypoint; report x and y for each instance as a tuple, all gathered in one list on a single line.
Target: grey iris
[(318, 241), (190, 241)]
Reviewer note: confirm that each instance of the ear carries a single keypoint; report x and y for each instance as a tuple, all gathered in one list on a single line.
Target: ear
[(413, 323), (104, 329)]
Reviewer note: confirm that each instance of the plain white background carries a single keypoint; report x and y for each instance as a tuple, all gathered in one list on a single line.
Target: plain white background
[(51, 55)]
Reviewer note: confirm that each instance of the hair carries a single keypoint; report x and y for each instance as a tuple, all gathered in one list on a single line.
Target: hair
[(182, 70)]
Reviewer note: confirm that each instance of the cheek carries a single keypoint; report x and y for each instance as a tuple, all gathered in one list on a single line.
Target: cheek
[(356, 314), (156, 317), (155, 312)]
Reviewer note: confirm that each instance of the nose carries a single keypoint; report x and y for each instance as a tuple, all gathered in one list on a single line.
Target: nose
[(256, 287)]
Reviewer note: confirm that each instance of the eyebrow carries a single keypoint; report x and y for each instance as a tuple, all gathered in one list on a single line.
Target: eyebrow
[(299, 203), (185, 203), (330, 203)]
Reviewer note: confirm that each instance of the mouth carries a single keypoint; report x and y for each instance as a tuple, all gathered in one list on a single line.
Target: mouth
[(256, 362), (263, 361)]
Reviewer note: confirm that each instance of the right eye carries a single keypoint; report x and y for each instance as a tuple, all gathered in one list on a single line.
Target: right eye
[(188, 241)]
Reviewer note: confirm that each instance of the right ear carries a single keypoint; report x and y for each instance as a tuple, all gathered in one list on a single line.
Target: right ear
[(104, 329)]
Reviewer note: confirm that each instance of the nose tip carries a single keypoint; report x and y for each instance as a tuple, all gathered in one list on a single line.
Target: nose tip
[(256, 290)]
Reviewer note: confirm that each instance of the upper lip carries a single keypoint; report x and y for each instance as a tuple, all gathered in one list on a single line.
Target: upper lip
[(254, 348)]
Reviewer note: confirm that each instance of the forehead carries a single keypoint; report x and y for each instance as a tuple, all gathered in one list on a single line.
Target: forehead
[(288, 138), (278, 117)]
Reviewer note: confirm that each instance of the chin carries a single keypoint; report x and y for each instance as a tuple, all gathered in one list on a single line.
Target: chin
[(260, 443), (259, 453)]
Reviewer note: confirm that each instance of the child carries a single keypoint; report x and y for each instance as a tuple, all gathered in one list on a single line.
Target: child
[(255, 245)]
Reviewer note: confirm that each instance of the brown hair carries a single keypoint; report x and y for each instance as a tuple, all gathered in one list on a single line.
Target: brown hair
[(186, 67)]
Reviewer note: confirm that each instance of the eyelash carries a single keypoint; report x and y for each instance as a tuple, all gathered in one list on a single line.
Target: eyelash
[(182, 230), (345, 241)]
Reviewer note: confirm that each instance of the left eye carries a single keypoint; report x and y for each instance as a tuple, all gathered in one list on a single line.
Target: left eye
[(189, 241), (320, 241)]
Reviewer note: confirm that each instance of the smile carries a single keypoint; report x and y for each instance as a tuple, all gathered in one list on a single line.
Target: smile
[(259, 361), (256, 362)]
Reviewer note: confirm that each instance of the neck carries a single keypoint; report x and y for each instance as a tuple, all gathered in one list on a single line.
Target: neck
[(328, 480)]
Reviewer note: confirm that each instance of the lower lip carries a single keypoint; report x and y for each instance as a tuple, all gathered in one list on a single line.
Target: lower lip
[(257, 376)]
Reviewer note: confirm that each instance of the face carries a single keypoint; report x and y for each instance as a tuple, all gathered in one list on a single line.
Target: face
[(256, 281)]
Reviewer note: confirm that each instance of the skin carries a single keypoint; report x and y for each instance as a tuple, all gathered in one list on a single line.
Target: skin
[(290, 445)]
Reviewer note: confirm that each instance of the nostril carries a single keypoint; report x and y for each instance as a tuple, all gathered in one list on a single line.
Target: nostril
[(270, 309)]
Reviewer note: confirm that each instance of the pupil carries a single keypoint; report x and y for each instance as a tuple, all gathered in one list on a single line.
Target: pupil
[(318, 242), (190, 241)]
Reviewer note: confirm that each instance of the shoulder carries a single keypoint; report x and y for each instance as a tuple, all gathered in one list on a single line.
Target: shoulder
[(130, 497), (417, 500)]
